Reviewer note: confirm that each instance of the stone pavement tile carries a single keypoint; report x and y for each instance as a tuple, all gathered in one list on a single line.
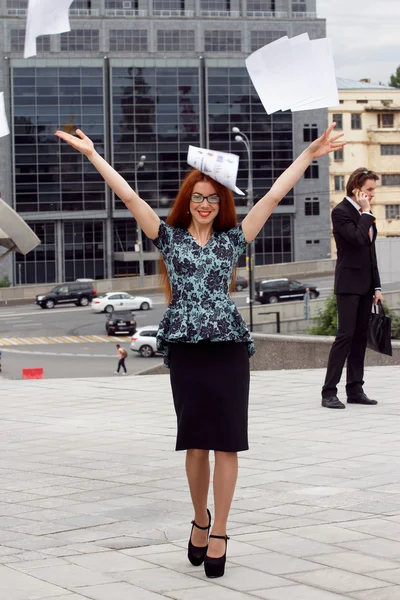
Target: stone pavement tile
[(356, 562), (388, 593), (161, 580), (70, 576), (27, 566), (299, 592), (285, 543), (374, 526), (143, 551), (118, 591), (109, 562), (15, 585), (208, 592), (375, 546), (337, 580), (245, 579), (329, 534), (393, 576), (274, 563), (68, 597), (176, 560)]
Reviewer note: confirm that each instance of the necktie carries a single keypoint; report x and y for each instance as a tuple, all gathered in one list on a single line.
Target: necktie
[(369, 230)]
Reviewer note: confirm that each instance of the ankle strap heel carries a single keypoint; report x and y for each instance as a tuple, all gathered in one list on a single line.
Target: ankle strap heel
[(196, 554), (215, 567)]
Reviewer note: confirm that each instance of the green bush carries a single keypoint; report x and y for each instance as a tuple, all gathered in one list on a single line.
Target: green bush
[(5, 282), (326, 321)]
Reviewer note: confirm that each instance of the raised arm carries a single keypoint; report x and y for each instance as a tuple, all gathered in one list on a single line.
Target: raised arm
[(260, 213), (147, 219)]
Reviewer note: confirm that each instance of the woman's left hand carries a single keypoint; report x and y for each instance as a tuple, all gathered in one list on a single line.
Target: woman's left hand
[(325, 144)]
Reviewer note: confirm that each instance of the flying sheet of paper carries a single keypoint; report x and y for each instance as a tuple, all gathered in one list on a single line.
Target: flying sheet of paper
[(296, 74), (45, 17), (221, 166), (4, 129), (325, 75)]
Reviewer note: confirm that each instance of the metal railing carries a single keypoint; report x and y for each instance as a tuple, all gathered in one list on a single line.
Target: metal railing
[(83, 12), (267, 14), (125, 12), (220, 13), (173, 13), (304, 15), (277, 317)]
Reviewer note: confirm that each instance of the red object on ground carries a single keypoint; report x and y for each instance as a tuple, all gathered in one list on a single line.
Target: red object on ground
[(32, 374)]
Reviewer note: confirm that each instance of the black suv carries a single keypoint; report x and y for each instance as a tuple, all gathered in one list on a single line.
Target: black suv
[(269, 291), (79, 293), (121, 321)]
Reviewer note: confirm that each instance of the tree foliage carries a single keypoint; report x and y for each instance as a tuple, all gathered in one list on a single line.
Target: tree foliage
[(5, 282), (326, 321), (395, 79)]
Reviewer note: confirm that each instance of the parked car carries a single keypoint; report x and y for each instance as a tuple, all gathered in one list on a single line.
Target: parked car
[(241, 283), (121, 301), (270, 291), (121, 321), (144, 341), (79, 293)]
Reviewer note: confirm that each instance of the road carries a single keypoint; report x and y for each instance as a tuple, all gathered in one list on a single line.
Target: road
[(72, 340)]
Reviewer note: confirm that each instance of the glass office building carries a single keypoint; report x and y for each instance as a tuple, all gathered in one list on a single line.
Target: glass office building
[(150, 79)]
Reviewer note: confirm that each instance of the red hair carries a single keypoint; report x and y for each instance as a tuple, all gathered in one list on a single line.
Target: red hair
[(180, 216)]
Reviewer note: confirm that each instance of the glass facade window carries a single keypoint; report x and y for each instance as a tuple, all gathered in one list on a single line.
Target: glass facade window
[(18, 41), (128, 40), (215, 7), (122, 4), (17, 4), (161, 6), (49, 175), (356, 121), (84, 250), (386, 120), (310, 132), (125, 235), (80, 40), (262, 38), (82, 4), (260, 6), (233, 102), (175, 40), (156, 111), (390, 149), (311, 207), (391, 179), (223, 41), (39, 265), (339, 183), (338, 119), (299, 6), (312, 172), (392, 211), (274, 242)]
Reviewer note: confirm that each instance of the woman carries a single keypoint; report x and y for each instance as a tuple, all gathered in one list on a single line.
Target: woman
[(202, 335)]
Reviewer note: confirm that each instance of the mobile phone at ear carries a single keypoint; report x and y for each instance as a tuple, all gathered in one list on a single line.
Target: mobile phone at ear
[(355, 190)]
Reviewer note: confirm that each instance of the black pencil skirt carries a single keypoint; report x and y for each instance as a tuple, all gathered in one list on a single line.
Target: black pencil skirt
[(210, 387)]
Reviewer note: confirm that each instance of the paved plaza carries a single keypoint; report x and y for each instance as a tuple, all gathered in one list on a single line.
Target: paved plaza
[(94, 502)]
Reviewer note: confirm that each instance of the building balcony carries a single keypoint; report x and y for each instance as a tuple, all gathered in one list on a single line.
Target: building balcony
[(304, 15), (125, 13), (226, 14), (16, 12), (83, 12), (173, 13), (257, 14)]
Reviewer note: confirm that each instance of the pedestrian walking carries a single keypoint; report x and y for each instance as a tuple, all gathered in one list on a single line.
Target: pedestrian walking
[(357, 286), (307, 304), (122, 355), (202, 335)]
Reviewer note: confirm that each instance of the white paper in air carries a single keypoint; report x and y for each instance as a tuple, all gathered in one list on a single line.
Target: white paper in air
[(4, 129), (221, 166), (45, 17)]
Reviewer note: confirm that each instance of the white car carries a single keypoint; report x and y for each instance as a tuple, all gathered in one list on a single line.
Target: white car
[(120, 301), (144, 341)]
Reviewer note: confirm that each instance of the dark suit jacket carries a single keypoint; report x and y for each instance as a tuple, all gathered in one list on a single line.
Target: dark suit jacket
[(356, 266)]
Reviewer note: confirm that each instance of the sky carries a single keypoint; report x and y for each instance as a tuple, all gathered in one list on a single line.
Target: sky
[(365, 37)]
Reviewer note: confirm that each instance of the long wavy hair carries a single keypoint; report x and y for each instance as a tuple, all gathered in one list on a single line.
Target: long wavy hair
[(180, 216)]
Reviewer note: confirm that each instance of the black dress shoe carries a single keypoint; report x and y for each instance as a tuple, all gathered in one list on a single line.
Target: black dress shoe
[(332, 402), (361, 399), (196, 554)]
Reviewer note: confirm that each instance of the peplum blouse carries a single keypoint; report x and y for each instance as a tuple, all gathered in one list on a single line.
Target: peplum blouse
[(200, 276)]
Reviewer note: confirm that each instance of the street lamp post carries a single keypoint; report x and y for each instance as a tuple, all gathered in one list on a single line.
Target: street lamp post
[(139, 165), (242, 137)]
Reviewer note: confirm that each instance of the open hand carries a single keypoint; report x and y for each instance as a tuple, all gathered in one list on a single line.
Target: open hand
[(81, 143), (325, 144), (363, 200)]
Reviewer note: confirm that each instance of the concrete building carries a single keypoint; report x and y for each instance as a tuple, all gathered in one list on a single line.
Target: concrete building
[(148, 77), (369, 115)]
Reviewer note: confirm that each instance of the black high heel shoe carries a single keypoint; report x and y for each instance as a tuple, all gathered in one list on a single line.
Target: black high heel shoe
[(215, 567), (196, 555)]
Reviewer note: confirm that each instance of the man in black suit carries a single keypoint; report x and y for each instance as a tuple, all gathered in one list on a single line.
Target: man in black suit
[(357, 286)]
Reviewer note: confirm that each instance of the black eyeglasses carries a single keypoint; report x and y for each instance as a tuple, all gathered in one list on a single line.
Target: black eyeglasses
[(198, 198)]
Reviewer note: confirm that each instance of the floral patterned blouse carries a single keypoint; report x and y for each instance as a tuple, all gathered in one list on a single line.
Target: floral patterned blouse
[(200, 276)]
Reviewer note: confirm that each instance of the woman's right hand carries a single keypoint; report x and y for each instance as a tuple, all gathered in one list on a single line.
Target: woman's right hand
[(81, 143)]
